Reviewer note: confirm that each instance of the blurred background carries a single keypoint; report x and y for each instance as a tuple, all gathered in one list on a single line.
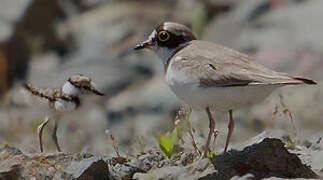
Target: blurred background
[(45, 42)]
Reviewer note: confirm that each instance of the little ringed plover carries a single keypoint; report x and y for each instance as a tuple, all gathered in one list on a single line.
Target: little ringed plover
[(59, 101), (212, 77)]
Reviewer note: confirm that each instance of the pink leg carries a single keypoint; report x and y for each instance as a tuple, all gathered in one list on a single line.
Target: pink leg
[(211, 130), (230, 127)]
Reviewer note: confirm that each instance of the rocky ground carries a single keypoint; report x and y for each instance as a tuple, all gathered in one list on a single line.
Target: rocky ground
[(138, 106), (264, 158)]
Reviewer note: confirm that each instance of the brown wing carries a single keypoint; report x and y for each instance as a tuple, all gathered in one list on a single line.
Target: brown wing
[(49, 94), (217, 66), (42, 93)]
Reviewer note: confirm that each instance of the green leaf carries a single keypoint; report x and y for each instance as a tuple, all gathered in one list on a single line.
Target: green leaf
[(167, 142), (209, 154)]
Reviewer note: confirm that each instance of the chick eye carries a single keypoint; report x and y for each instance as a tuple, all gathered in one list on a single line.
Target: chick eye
[(163, 36)]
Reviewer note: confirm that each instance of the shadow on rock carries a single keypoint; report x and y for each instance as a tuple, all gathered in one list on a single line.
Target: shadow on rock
[(269, 158)]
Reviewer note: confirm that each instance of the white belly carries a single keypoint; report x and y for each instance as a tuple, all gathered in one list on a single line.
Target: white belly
[(64, 106), (218, 98)]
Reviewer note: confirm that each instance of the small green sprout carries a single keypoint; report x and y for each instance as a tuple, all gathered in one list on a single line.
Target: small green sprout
[(209, 154), (167, 142)]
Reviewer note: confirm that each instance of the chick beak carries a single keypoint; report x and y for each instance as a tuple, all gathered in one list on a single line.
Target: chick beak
[(93, 89), (97, 92)]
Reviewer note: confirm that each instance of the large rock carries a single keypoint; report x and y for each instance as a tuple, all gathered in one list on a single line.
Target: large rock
[(269, 158), (16, 165)]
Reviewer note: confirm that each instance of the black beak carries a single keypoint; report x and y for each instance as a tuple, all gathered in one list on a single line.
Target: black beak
[(92, 88), (143, 45), (97, 92)]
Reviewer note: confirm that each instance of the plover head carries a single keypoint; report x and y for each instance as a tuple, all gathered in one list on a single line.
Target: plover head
[(80, 84), (167, 39)]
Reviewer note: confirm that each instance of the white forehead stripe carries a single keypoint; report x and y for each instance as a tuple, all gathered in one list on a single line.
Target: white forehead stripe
[(177, 29), (152, 35)]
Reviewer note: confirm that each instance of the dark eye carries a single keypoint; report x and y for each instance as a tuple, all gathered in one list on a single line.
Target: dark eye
[(163, 36)]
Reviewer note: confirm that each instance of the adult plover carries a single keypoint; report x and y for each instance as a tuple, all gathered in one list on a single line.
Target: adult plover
[(60, 101), (210, 76)]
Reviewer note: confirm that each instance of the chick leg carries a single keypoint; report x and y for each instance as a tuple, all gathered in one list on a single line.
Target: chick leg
[(54, 136), (40, 132)]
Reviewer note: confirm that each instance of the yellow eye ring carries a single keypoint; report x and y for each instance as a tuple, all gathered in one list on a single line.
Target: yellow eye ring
[(163, 36)]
